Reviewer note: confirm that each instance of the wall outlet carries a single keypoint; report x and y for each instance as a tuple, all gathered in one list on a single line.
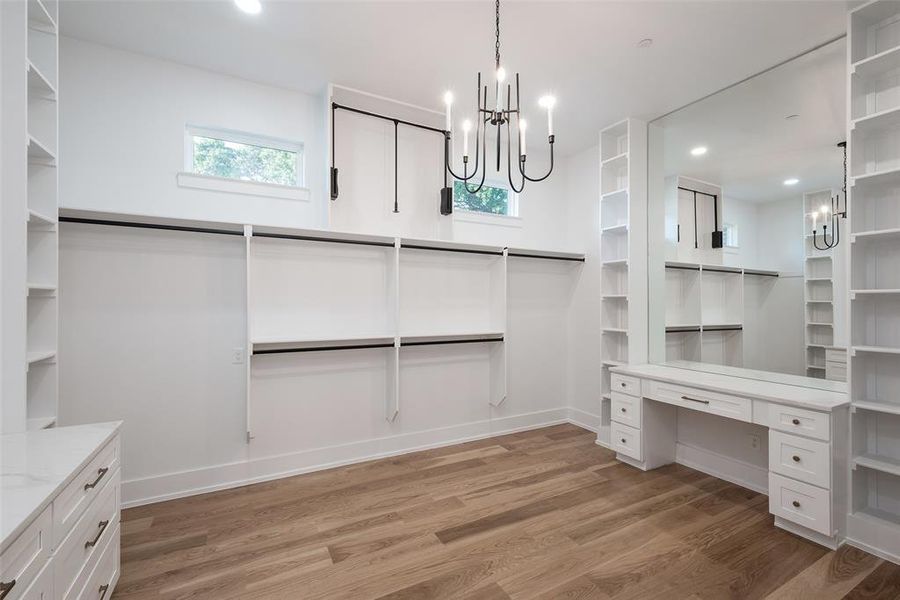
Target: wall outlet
[(237, 356), (754, 441)]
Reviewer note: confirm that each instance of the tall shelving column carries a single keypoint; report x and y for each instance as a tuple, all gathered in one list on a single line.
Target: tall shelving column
[(42, 380), (623, 231), (874, 223), (818, 275)]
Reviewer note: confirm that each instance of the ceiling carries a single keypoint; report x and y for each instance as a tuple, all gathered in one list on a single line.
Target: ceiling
[(586, 53), (752, 147)]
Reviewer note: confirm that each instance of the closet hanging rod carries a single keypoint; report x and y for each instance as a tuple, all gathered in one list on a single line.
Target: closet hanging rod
[(728, 328), (570, 258), (383, 345), (715, 270), (138, 225), (684, 267), (462, 250), (761, 273), (447, 342), (310, 238), (682, 329)]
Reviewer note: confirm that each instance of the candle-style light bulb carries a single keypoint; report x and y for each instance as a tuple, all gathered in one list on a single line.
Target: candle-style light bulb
[(548, 102), (825, 210), (448, 101), (815, 217), (501, 77), (523, 127), (467, 127)]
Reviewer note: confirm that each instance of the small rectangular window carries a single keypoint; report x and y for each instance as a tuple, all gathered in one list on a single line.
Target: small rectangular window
[(244, 157), (730, 235), (495, 199)]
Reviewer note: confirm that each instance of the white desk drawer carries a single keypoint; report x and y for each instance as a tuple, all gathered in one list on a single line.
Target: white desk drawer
[(838, 355), (626, 409), (801, 458), (102, 580), (42, 586), (835, 371), (725, 405), (625, 384), (800, 421), (24, 558), (626, 440), (87, 537), (72, 501), (800, 503)]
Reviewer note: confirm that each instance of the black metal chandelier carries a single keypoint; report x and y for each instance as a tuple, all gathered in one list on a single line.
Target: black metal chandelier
[(499, 116), (835, 212)]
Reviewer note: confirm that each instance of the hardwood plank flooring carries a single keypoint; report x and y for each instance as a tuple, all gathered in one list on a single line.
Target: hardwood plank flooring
[(544, 514)]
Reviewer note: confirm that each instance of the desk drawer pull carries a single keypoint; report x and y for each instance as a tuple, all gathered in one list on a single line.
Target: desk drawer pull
[(796, 458), (795, 421), (796, 503), (100, 474), (688, 398), (623, 409), (623, 441), (103, 589), (102, 525), (6, 587)]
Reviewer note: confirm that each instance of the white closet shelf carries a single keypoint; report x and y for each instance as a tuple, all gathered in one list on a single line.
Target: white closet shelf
[(816, 367), (874, 406), (612, 363), (824, 257), (878, 463), (37, 423), (617, 330), (39, 151), (818, 279), (616, 160), (810, 301), (619, 262), (321, 235), (36, 219), (621, 228), (884, 292), (39, 17), (551, 254), (819, 324), (615, 194), (440, 245), (38, 84), (877, 122), (320, 339), (875, 178), (877, 65), (814, 345), (874, 350), (40, 289), (39, 356), (877, 234), (614, 296)]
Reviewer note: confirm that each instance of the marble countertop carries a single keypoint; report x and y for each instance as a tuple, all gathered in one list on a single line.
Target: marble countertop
[(36, 465), (793, 395)]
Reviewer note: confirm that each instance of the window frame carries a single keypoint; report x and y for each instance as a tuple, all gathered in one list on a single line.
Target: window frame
[(512, 202), (246, 138)]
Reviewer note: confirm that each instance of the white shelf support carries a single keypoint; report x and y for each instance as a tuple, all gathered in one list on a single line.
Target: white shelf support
[(248, 344)]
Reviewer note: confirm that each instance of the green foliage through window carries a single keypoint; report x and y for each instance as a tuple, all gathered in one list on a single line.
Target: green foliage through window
[(234, 160), (489, 199)]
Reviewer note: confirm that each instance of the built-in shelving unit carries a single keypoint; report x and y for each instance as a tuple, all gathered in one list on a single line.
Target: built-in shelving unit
[(818, 274), (318, 291), (874, 355), (622, 252), (41, 216)]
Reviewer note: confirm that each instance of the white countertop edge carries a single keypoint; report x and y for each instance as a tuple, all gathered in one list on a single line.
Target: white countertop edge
[(26, 520), (742, 386)]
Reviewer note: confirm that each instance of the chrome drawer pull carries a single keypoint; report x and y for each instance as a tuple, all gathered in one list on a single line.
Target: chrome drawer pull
[(796, 458), (6, 587), (102, 525), (103, 589), (100, 474), (694, 400), (796, 503)]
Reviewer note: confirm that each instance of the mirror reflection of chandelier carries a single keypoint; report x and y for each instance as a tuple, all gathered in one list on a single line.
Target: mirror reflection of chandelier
[(831, 214), (498, 114)]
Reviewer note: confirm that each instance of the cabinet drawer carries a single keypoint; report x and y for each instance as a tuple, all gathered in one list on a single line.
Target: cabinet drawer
[(625, 384), (72, 501), (835, 371), (725, 405), (626, 440), (626, 409), (102, 580), (88, 535), (799, 420), (800, 503), (23, 559), (838, 355), (800, 458), (42, 586)]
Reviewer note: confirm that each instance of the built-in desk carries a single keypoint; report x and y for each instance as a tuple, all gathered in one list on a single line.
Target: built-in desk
[(807, 435)]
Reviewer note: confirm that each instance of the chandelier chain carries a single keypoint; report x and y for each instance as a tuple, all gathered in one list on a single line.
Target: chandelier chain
[(497, 44)]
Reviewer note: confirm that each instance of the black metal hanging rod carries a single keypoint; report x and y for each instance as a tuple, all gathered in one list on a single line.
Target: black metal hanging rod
[(761, 273), (367, 113), (677, 329), (715, 270), (725, 328), (138, 225), (309, 238), (523, 255), (380, 345), (684, 267), (462, 250)]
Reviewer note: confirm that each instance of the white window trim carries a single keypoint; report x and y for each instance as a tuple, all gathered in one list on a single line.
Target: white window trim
[(484, 218), (189, 179)]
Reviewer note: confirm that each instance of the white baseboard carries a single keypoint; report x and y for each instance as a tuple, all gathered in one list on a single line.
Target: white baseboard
[(738, 472), (169, 486), (584, 419)]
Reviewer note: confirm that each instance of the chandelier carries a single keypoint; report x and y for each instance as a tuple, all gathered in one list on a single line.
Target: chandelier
[(500, 115), (832, 214)]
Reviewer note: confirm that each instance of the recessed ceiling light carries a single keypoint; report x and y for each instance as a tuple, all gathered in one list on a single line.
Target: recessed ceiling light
[(251, 7), (791, 181), (645, 43), (699, 151)]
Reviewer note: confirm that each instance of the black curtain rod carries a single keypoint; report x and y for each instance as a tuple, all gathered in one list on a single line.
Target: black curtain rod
[(522, 255), (368, 346), (138, 225)]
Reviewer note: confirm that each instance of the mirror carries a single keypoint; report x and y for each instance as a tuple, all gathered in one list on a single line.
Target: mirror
[(738, 181)]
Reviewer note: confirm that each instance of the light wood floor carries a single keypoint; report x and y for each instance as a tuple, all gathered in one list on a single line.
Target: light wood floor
[(539, 514)]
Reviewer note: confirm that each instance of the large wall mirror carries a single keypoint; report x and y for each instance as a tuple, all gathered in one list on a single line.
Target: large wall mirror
[(738, 183)]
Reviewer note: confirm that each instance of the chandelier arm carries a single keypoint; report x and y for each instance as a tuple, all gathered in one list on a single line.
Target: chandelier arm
[(483, 167), (816, 239), (509, 170), (546, 175)]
